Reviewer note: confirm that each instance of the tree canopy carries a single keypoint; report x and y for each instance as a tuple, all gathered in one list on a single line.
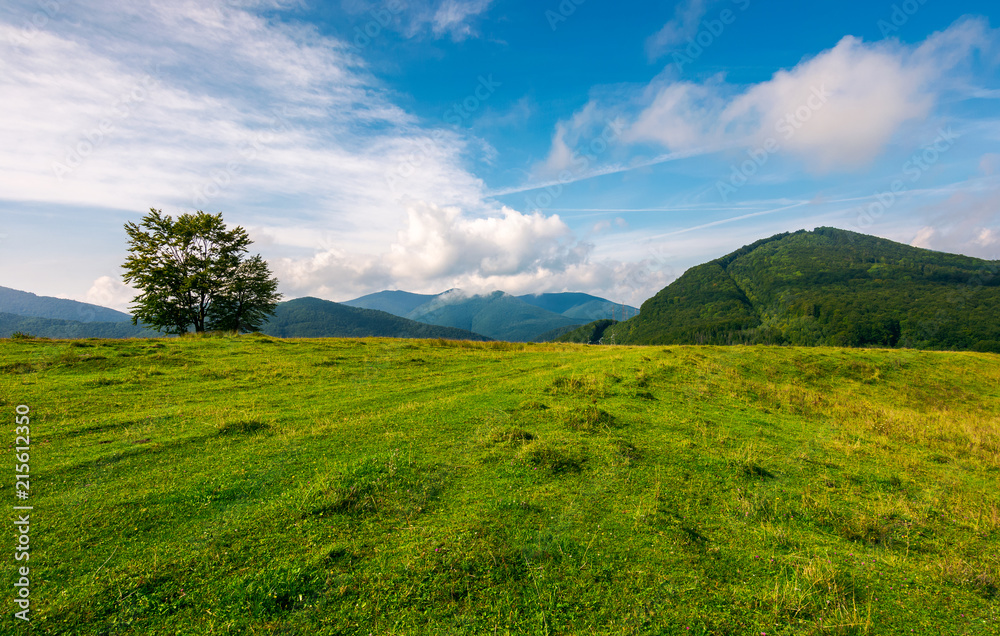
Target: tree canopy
[(193, 273)]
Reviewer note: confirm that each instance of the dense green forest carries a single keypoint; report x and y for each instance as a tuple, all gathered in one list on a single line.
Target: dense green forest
[(591, 333), (826, 287)]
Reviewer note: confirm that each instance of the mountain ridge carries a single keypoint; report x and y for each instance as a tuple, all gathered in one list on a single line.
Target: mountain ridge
[(826, 287)]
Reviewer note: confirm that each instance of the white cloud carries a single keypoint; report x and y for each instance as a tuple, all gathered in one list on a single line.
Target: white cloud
[(222, 110), (687, 17), (419, 18), (110, 292), (440, 242), (924, 238), (964, 223), (452, 17), (839, 109), (836, 111)]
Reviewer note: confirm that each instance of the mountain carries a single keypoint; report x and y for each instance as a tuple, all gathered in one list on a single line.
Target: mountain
[(314, 318), (498, 315), (398, 303), (591, 333), (22, 303), (55, 328), (580, 306), (827, 287)]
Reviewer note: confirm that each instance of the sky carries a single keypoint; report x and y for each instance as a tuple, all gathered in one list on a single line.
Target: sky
[(525, 146)]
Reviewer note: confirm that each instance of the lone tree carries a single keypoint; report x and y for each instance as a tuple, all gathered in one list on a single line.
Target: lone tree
[(193, 272)]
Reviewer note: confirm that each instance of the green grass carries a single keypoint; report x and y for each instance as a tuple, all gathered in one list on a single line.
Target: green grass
[(261, 486)]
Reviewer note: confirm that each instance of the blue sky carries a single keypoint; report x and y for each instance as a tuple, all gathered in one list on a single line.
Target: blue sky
[(536, 146)]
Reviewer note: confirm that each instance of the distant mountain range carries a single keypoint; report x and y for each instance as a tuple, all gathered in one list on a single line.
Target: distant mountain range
[(23, 303), (315, 318), (50, 317), (451, 315), (825, 287), (497, 315)]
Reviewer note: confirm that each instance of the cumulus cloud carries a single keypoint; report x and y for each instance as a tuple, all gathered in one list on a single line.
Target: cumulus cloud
[(111, 292), (839, 109), (441, 241), (444, 248)]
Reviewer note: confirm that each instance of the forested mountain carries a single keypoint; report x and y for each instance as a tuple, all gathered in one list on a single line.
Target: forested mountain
[(13, 301), (590, 333), (314, 318), (827, 287), (398, 303), (55, 328), (497, 315), (580, 306)]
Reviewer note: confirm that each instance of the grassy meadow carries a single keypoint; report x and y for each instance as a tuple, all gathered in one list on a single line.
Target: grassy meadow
[(252, 485)]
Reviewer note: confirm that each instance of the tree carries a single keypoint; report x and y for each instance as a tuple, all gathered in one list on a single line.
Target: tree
[(192, 273), (250, 297)]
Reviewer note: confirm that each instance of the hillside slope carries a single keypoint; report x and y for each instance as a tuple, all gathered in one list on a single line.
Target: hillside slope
[(54, 328), (315, 318), (13, 301), (827, 287)]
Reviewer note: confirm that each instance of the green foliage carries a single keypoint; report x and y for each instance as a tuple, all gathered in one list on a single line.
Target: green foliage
[(827, 287), (192, 275)]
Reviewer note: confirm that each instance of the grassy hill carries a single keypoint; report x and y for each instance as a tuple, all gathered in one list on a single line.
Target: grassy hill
[(827, 287), (315, 318), (254, 485)]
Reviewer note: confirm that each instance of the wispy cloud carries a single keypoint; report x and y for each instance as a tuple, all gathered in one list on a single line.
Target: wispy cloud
[(687, 17), (836, 111)]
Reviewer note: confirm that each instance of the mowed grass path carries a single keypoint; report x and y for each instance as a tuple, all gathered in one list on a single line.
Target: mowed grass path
[(261, 486)]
